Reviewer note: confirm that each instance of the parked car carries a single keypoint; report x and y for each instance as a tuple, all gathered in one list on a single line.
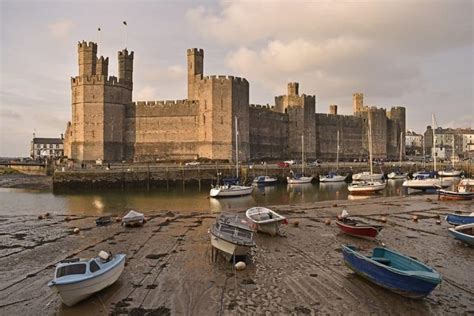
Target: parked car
[(290, 162), (192, 163), (283, 164)]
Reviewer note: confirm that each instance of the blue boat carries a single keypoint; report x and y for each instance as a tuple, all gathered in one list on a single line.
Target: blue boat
[(393, 271), (464, 233), (455, 219)]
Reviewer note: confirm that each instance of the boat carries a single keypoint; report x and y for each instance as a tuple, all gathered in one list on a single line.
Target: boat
[(425, 182), (456, 219), (133, 219), (465, 191), (464, 233), (423, 174), (451, 172), (76, 279), (265, 220), (264, 180), (398, 174), (299, 178), (367, 176), (466, 185), (334, 176), (367, 186), (394, 271), (357, 228), (232, 188), (232, 235)]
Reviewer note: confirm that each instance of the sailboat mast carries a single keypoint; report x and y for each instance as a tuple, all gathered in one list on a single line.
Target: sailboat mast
[(452, 155), (236, 147), (337, 153), (424, 154), (401, 137), (302, 154), (434, 142), (370, 147)]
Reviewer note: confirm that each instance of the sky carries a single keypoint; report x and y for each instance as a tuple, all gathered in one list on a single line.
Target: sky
[(417, 54)]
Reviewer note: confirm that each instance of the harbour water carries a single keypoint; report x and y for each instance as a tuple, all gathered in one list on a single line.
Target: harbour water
[(189, 199)]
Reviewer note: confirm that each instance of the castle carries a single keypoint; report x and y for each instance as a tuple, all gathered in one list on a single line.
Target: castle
[(106, 124)]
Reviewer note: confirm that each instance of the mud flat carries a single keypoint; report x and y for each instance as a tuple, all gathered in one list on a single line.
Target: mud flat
[(169, 268), (23, 181)]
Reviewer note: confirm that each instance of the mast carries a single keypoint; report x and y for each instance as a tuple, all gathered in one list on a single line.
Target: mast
[(302, 154), (337, 153), (434, 142), (370, 147), (424, 154), (452, 155), (236, 147), (401, 137)]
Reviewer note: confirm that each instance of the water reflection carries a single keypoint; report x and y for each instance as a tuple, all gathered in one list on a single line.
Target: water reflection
[(219, 205)]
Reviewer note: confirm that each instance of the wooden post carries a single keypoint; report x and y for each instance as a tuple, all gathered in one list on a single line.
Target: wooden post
[(199, 178), (167, 178)]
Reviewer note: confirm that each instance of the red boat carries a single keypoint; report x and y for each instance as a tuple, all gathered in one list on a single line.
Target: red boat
[(358, 229)]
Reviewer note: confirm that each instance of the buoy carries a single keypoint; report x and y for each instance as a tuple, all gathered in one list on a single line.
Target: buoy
[(76, 230), (67, 219), (384, 219), (40, 216), (438, 222), (415, 218), (46, 214), (296, 223), (334, 205), (118, 219), (327, 222), (239, 266)]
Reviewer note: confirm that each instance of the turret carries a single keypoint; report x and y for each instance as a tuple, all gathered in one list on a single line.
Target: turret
[(293, 88), (125, 63), (357, 102), (195, 69), (87, 53), (102, 66), (333, 109)]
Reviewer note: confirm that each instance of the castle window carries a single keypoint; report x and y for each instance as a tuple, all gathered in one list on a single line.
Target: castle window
[(222, 104), (204, 119), (205, 104), (222, 120)]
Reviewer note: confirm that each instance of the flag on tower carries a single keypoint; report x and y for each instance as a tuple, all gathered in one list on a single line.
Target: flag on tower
[(98, 29), (124, 22)]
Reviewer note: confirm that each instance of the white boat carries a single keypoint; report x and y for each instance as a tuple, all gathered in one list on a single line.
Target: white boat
[(466, 185), (370, 186), (77, 279), (299, 178), (449, 173), (334, 176), (230, 190), (265, 220), (263, 180), (366, 187), (367, 176), (232, 235), (133, 219), (227, 190), (397, 175)]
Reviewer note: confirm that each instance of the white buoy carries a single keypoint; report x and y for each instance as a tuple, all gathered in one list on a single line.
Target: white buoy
[(239, 266)]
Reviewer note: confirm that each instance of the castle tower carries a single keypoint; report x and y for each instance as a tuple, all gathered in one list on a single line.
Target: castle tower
[(195, 70), (125, 70), (293, 88), (87, 53), (357, 102), (102, 66), (333, 109)]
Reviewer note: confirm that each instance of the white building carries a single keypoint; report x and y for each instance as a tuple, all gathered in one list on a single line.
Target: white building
[(413, 139), (47, 147)]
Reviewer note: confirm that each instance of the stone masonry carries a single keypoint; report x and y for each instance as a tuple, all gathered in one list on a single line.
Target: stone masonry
[(107, 125)]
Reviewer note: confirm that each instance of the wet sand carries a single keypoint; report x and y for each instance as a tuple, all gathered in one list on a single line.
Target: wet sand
[(169, 268), (23, 181)]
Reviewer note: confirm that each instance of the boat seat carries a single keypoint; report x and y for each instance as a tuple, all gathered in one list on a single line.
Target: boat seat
[(381, 260)]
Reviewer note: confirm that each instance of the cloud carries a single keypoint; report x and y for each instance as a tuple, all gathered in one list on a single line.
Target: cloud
[(177, 71), (61, 29), (145, 94), (465, 121), (9, 114)]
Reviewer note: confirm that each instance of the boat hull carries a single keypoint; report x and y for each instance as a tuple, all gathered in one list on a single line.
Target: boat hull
[(460, 233), (299, 180), (228, 247), (367, 177), (230, 192), (336, 178), (396, 176), (73, 293), (265, 181), (454, 173), (362, 232), (455, 219), (379, 274), (425, 184), (456, 196), (366, 189), (265, 220)]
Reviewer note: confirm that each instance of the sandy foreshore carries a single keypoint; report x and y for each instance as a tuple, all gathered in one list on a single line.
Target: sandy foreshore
[(169, 267), (23, 181)]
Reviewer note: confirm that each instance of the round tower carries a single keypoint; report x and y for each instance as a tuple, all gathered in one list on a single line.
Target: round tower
[(87, 53)]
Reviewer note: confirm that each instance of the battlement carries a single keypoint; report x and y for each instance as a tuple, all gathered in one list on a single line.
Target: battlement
[(87, 45), (195, 51), (103, 59), (263, 107), (124, 53), (234, 79), (166, 108), (97, 79)]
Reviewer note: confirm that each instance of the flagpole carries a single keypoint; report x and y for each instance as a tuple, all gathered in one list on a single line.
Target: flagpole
[(126, 33), (99, 44)]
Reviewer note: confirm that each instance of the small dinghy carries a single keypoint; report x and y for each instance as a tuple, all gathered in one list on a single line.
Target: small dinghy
[(264, 180), (357, 228), (455, 219), (103, 220), (265, 220), (232, 235), (133, 219), (464, 233), (77, 279), (394, 271)]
